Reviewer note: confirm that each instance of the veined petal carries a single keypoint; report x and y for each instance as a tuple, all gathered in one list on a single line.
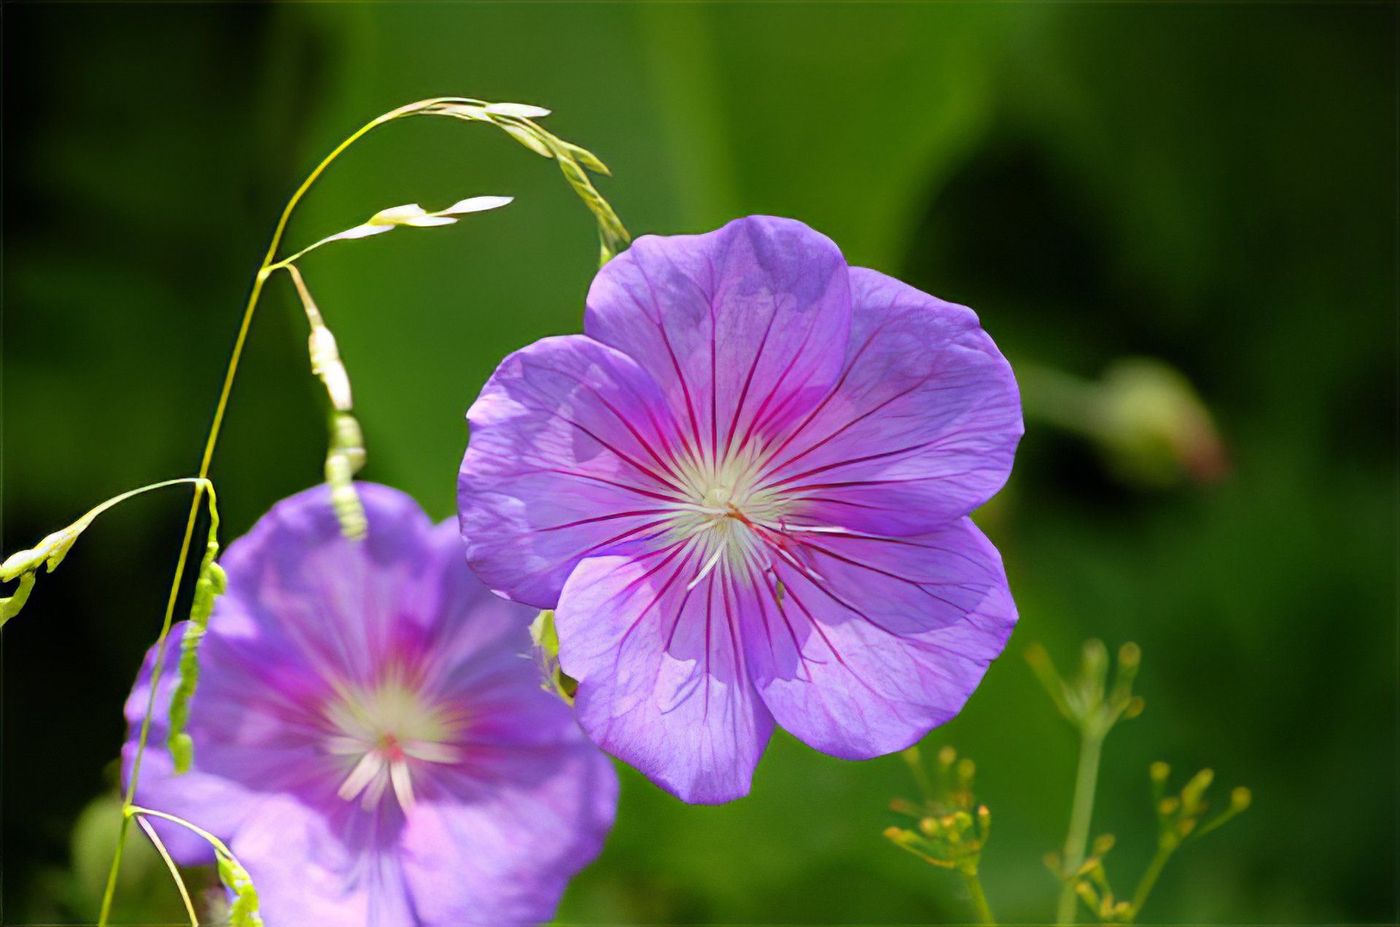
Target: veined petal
[(464, 859), (294, 567), (523, 767), (920, 428), (570, 456), (318, 866), (662, 678), (353, 696), (889, 643), (744, 328), (477, 638)]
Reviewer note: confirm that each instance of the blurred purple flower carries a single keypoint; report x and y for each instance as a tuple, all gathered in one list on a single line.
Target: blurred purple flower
[(368, 738), (745, 489)]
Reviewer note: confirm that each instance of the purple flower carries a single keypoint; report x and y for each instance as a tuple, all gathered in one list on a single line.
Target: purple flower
[(369, 739), (745, 490)]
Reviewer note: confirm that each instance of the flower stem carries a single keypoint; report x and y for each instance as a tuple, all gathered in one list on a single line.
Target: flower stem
[(1081, 814), (610, 227), (979, 899), (210, 443), (1149, 878), (174, 871)]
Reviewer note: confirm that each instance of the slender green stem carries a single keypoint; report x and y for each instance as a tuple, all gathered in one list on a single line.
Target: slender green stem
[(218, 845), (913, 757), (979, 899), (1081, 815), (265, 270), (206, 459), (116, 500), (1149, 878), (1064, 400), (174, 871)]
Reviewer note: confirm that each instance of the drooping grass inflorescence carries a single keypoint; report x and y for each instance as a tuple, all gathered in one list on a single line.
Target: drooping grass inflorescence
[(24, 565), (345, 454), (209, 584)]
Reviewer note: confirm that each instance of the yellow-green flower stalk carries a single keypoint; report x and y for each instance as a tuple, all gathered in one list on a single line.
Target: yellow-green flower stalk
[(346, 451), (950, 827), (1093, 707)]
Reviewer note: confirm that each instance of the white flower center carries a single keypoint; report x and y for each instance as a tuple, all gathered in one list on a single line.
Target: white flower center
[(385, 734), (727, 513)]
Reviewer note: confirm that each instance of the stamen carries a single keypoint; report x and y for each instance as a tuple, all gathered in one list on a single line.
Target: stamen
[(714, 559), (386, 730), (367, 769), (732, 515), (371, 797), (403, 784), (430, 752)]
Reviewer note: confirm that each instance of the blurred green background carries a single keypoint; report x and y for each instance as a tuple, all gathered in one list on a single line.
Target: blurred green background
[(1213, 186)]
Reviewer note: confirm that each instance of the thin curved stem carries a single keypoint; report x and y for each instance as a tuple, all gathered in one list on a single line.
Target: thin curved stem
[(1149, 878), (1081, 814), (174, 871), (512, 125), (206, 459), (116, 500), (218, 845), (979, 900)]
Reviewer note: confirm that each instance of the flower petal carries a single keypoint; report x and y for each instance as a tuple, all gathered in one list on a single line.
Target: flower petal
[(570, 455), (476, 639), (301, 591), (494, 838), (306, 610), (214, 803), (313, 866), (500, 850), (744, 328), (889, 643), (662, 680), (921, 427), (497, 798)]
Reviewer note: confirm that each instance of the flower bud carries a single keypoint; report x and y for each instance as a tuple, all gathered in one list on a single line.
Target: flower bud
[(1155, 428)]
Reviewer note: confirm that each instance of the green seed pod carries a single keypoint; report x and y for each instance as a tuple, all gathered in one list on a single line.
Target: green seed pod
[(10, 605), (210, 585), (244, 910)]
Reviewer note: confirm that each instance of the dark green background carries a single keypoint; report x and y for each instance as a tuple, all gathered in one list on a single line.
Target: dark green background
[(1211, 185)]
